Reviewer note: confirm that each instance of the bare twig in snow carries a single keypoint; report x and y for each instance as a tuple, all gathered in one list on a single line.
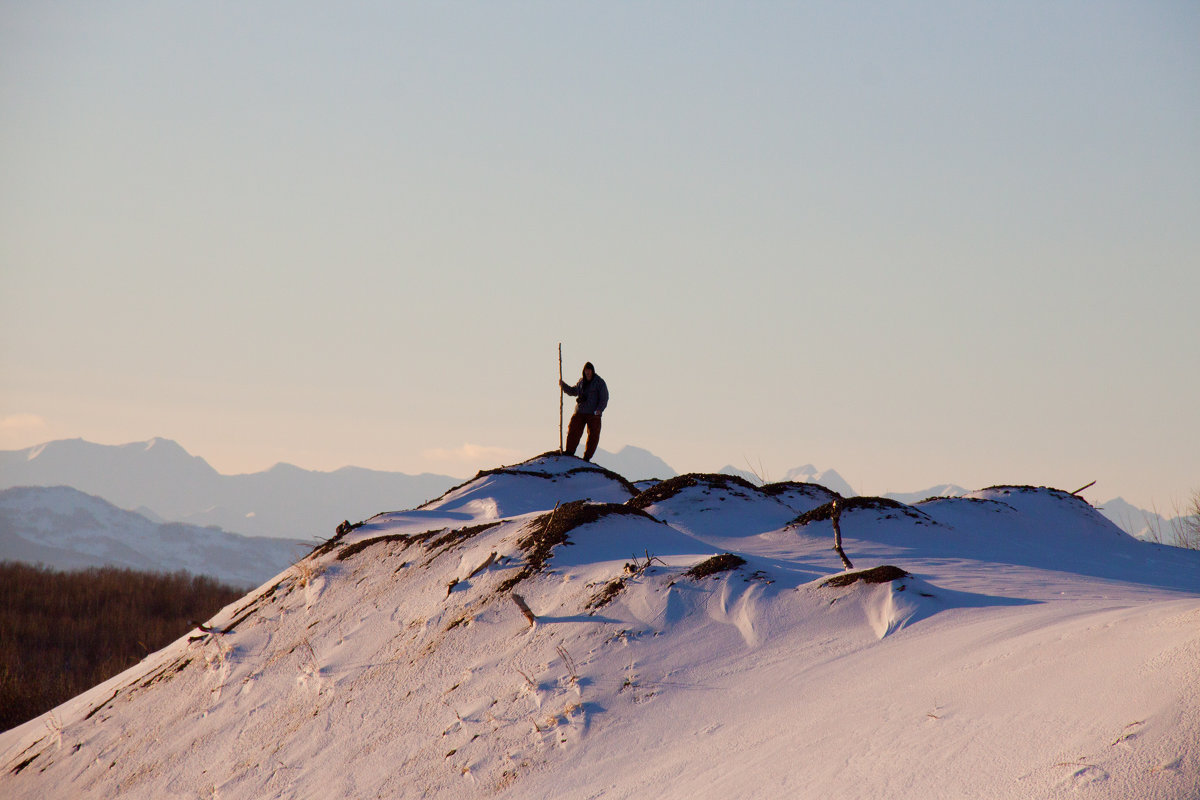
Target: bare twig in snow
[(572, 669), (835, 515), (521, 604), (637, 567), (490, 559)]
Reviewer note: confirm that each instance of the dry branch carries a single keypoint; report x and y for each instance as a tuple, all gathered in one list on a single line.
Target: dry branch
[(569, 662), (835, 514), (560, 400), (521, 604), (491, 558)]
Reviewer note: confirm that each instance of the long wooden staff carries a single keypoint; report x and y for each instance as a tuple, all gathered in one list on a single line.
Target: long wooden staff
[(560, 400)]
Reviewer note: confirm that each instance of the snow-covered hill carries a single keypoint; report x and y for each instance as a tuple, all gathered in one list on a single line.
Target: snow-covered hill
[(64, 528), (546, 631)]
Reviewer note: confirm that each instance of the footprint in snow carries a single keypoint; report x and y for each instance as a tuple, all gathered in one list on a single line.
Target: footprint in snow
[(1087, 775)]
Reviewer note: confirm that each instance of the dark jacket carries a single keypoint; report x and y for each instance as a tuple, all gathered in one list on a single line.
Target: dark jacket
[(591, 396)]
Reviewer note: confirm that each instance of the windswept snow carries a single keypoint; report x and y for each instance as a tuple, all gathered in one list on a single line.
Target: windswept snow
[(1024, 647)]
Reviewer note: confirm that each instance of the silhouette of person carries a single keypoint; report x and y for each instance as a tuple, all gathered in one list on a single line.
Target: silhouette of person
[(591, 398)]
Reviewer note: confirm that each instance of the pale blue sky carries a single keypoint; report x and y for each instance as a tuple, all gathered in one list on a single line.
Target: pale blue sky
[(914, 242)]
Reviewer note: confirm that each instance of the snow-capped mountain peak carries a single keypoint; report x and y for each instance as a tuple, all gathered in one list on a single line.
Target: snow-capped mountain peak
[(829, 478)]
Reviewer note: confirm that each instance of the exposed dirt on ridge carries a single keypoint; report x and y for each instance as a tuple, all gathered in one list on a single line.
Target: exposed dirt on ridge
[(890, 508), (606, 594), (808, 489), (333, 541), (664, 490), (673, 486), (432, 540), (550, 530), (883, 574), (1059, 493), (711, 566)]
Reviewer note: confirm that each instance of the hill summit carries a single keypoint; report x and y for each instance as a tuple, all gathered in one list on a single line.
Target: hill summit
[(550, 629)]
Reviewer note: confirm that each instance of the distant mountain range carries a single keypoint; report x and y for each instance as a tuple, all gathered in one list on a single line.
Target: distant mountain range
[(161, 481), (66, 529), (634, 463), (1178, 530), (829, 478)]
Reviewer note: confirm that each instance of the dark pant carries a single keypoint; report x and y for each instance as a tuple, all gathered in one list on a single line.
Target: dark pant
[(575, 431)]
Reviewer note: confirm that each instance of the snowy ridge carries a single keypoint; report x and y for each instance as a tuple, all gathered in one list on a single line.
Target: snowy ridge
[(686, 642)]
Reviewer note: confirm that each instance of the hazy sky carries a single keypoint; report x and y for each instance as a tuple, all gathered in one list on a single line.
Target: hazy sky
[(914, 242)]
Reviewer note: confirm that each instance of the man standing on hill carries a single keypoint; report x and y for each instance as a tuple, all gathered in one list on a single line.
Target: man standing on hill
[(591, 393)]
